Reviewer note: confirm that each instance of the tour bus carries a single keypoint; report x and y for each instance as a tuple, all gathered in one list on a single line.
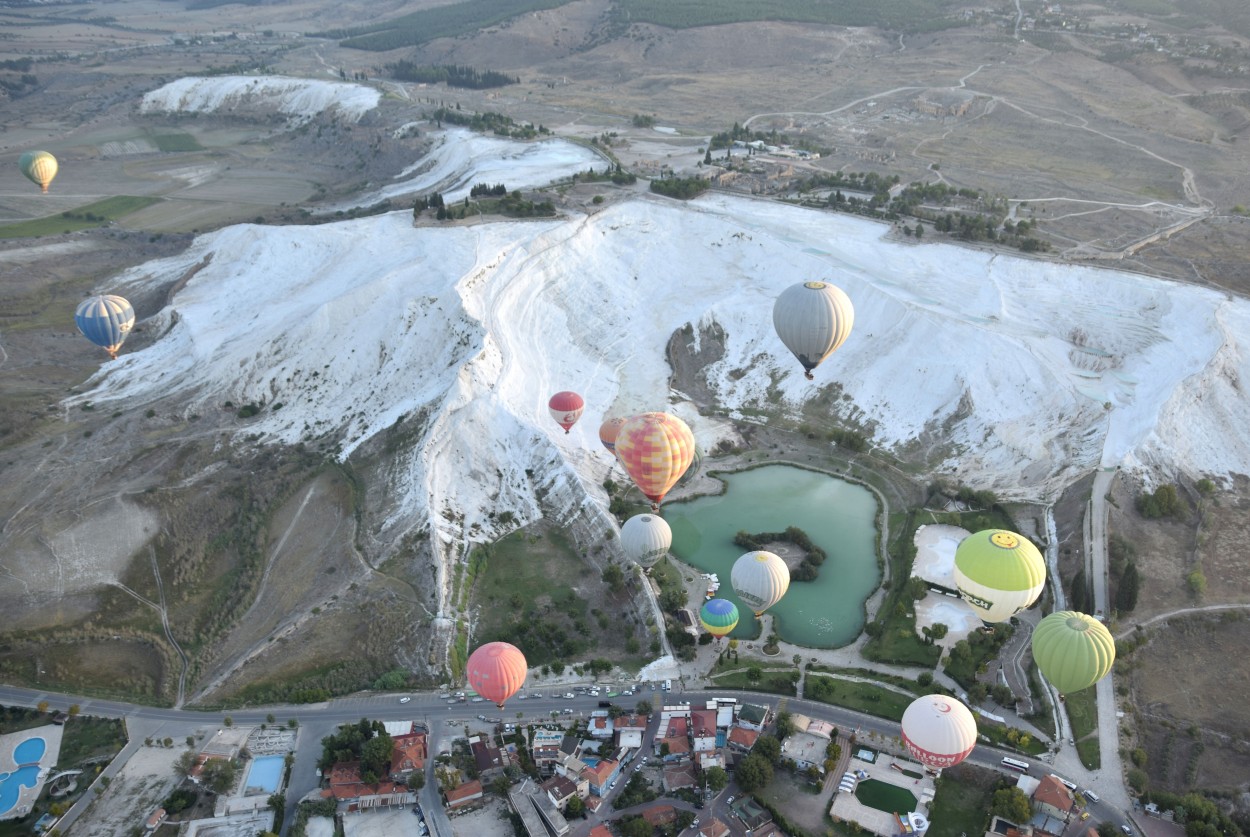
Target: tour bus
[(1016, 764), (1069, 785)]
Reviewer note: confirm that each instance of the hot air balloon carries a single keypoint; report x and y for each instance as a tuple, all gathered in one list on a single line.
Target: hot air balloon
[(566, 408), (760, 579), (39, 167), (656, 449), (998, 573), (718, 616), (646, 539), (939, 731), (813, 319), (105, 321), (496, 671), (1073, 650), (608, 431)]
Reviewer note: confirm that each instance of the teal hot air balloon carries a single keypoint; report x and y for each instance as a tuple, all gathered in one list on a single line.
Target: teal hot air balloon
[(1073, 650), (105, 321), (719, 617)]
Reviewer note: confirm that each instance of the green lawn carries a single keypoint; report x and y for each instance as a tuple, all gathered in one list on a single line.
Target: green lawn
[(965, 794), (1082, 711), (885, 797), (84, 217), (776, 682), (90, 738), (864, 697)]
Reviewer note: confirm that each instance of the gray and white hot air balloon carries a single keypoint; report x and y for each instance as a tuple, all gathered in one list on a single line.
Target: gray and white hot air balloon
[(813, 319)]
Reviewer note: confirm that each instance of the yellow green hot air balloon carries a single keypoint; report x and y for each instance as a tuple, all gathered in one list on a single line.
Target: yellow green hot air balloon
[(1073, 650), (999, 573), (39, 167)]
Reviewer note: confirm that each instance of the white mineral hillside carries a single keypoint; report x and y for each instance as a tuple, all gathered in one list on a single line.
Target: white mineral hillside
[(295, 98), (1039, 371)]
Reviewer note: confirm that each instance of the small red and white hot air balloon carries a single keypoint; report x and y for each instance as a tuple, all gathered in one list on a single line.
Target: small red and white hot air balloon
[(566, 408)]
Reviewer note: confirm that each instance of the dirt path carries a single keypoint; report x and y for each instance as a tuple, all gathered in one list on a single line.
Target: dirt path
[(1184, 611)]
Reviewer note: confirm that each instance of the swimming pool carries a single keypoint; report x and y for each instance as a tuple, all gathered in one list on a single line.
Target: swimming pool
[(265, 773), (27, 755)]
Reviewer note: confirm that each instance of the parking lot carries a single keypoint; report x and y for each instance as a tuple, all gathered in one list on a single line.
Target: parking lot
[(387, 822)]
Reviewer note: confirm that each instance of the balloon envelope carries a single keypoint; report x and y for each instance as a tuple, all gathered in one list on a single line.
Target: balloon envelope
[(939, 731), (566, 408), (646, 539), (608, 431), (813, 319), (1073, 650), (105, 321), (39, 167), (760, 579), (496, 671), (719, 616), (656, 449), (999, 573)]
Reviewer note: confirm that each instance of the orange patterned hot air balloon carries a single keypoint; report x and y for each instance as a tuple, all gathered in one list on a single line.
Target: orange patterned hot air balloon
[(608, 432), (656, 449), (496, 671)]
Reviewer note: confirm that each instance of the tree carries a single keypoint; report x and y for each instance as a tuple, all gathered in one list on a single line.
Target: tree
[(576, 807), (1003, 695), (635, 827), (1012, 805), (768, 747), (74, 709), (270, 718), (938, 630), (613, 576), (416, 780), (228, 721), (1126, 590), (753, 773), (42, 706), (643, 707), (185, 763), (754, 673), (716, 778), (499, 785), (784, 725), (919, 231), (277, 802), (219, 775)]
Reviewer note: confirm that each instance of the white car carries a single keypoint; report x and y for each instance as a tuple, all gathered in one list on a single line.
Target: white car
[(478, 699), (569, 695), (729, 801), (404, 699)]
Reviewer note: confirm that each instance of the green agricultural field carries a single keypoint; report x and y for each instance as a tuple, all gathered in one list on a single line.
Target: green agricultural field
[(176, 142), (439, 22), (84, 217), (905, 15)]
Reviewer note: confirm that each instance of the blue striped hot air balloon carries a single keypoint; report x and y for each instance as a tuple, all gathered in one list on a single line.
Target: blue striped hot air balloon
[(105, 321)]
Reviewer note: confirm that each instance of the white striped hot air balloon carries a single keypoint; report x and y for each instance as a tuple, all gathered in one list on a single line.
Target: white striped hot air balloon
[(760, 579)]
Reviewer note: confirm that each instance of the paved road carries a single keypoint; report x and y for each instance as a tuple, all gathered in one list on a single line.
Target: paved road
[(318, 720)]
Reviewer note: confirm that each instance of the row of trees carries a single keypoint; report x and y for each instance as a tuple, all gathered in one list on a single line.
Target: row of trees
[(453, 75), (813, 556)]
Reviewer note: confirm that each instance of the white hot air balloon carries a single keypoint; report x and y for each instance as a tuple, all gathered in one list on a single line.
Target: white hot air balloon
[(939, 731), (646, 539), (760, 579), (813, 319)]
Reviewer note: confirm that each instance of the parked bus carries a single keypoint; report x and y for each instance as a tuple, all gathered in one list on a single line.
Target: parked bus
[(1016, 764), (1069, 785)]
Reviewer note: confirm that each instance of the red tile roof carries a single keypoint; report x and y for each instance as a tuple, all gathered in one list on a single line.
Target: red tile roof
[(409, 753), (1053, 792), (743, 737), (658, 815), (463, 793)]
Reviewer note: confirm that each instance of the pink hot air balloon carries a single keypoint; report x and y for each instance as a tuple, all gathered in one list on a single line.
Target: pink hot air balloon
[(939, 731), (566, 408), (496, 670)]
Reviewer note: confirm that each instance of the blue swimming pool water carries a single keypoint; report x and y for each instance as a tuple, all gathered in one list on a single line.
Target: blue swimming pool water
[(590, 761), (265, 773), (29, 751), (27, 755)]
